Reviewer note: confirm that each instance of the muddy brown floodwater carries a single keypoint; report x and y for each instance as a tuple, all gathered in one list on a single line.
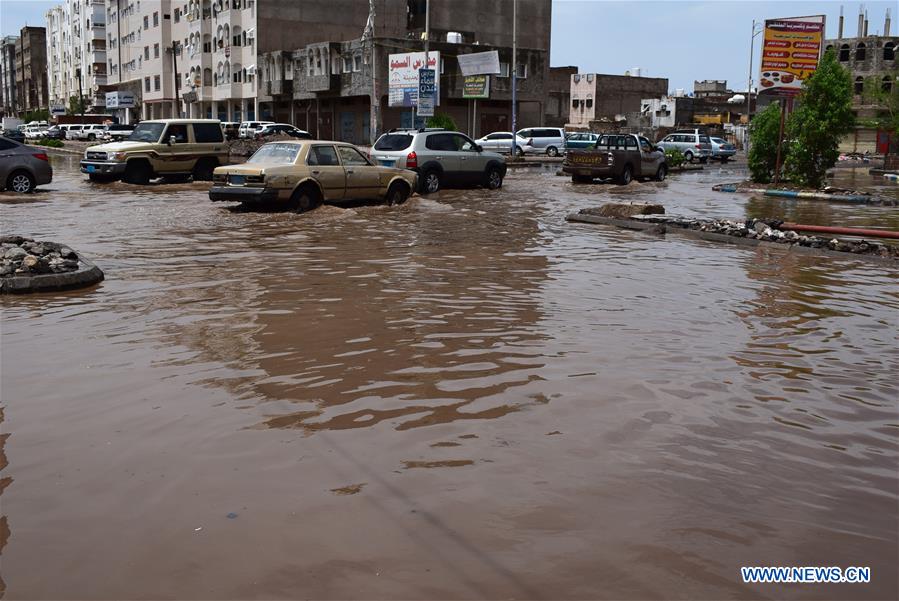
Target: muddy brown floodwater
[(463, 397)]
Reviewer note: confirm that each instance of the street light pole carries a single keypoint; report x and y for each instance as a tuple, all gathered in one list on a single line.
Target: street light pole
[(80, 98), (749, 87), (514, 75)]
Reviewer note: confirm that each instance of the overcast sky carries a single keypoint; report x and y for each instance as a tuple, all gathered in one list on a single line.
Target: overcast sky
[(682, 40)]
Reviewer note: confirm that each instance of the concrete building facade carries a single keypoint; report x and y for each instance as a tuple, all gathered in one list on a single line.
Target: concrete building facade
[(8, 97), (609, 98), (76, 53), (31, 69)]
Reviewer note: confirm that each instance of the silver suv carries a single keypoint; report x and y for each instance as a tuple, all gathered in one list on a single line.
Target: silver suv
[(441, 158), (692, 143), (549, 140)]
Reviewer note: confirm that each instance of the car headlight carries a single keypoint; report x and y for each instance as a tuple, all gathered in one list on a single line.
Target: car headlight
[(219, 177), (117, 156)]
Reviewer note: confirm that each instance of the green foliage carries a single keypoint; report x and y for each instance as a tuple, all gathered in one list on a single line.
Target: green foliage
[(674, 157), (76, 106), (886, 101), (48, 142), (38, 115), (763, 132), (442, 120), (822, 118)]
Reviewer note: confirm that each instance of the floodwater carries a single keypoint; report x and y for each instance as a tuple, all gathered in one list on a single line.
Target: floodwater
[(462, 397)]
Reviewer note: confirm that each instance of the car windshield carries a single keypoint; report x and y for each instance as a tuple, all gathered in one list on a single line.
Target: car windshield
[(281, 154), (147, 132), (393, 142)]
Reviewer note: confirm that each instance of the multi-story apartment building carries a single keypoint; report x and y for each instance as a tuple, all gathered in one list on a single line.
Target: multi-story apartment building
[(76, 51), (306, 61), (31, 69), (609, 98), (8, 97)]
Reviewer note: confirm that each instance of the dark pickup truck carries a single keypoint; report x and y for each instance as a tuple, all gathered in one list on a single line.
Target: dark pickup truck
[(622, 157)]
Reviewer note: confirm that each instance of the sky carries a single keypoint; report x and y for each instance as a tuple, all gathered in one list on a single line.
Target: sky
[(682, 40)]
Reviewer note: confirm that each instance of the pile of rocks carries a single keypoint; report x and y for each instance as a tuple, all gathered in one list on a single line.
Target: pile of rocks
[(768, 230), (24, 256)]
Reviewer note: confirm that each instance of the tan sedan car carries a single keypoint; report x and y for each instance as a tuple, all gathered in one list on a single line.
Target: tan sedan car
[(304, 173)]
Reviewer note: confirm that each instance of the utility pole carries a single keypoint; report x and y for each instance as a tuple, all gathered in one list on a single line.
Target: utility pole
[(177, 106), (514, 75), (749, 87), (80, 98), (374, 119)]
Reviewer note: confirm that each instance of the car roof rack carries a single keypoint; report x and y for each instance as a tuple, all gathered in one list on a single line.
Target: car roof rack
[(420, 130)]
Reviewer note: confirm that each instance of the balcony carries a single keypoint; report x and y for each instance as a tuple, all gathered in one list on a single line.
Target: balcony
[(318, 83), (278, 87)]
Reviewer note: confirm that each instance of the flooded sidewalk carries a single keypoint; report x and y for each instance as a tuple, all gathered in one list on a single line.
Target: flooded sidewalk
[(461, 397)]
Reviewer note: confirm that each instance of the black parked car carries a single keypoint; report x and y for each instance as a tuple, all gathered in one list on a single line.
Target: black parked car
[(56, 133), (15, 135), (283, 129)]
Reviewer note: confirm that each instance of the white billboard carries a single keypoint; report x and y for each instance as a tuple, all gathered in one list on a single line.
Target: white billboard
[(403, 77), (479, 63), (119, 100)]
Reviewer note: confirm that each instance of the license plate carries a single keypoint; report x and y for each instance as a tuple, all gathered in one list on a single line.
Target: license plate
[(387, 163), (91, 168), (237, 180)]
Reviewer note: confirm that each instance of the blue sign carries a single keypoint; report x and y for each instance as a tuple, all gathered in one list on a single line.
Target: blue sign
[(426, 83)]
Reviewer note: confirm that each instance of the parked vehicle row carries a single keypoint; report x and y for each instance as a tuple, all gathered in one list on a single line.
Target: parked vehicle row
[(694, 144)]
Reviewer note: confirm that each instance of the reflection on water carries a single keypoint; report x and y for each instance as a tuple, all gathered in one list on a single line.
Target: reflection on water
[(464, 396)]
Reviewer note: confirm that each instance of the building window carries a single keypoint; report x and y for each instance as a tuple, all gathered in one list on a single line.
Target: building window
[(860, 51), (574, 103), (887, 84), (589, 103), (156, 82), (155, 50), (146, 84), (859, 84), (156, 19), (504, 69), (146, 53), (357, 62), (177, 15), (889, 51), (146, 22), (844, 53), (347, 64), (522, 71)]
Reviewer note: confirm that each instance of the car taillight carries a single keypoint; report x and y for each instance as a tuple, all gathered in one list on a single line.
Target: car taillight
[(411, 160), (41, 155), (699, 146)]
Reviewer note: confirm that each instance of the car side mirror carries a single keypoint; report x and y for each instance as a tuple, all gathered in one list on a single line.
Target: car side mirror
[(172, 140), (478, 148)]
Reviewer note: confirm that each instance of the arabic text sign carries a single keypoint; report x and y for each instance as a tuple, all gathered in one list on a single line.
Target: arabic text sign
[(479, 63), (119, 100), (476, 86), (403, 77), (790, 53)]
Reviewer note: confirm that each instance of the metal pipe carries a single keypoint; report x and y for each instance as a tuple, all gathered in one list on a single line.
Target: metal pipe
[(845, 231), (514, 75)]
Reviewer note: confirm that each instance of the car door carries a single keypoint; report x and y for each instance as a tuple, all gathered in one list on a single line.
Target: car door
[(326, 169), (472, 164), (649, 159), (443, 150), (177, 156), (362, 178), (7, 159)]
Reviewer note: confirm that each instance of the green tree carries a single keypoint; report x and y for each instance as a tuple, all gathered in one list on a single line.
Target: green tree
[(442, 120), (77, 106), (38, 115), (763, 132), (822, 118)]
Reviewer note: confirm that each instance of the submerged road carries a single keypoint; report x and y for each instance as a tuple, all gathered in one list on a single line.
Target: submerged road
[(461, 397)]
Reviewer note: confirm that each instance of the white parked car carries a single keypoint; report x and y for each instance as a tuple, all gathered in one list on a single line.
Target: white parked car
[(90, 132), (249, 129), (501, 142), (33, 132)]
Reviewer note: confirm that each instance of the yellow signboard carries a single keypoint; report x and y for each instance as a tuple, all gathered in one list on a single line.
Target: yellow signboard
[(790, 53)]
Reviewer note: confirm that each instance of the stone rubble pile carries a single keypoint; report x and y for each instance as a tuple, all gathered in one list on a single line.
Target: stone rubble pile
[(24, 256), (768, 230)]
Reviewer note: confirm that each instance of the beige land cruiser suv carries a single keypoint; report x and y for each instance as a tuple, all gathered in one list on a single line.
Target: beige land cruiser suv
[(160, 148)]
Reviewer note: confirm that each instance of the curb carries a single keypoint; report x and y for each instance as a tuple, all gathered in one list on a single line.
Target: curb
[(87, 274), (807, 195)]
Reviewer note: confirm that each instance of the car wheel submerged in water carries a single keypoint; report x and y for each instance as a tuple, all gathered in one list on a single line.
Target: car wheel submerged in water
[(494, 178), (397, 194), (20, 182), (661, 173), (430, 182)]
